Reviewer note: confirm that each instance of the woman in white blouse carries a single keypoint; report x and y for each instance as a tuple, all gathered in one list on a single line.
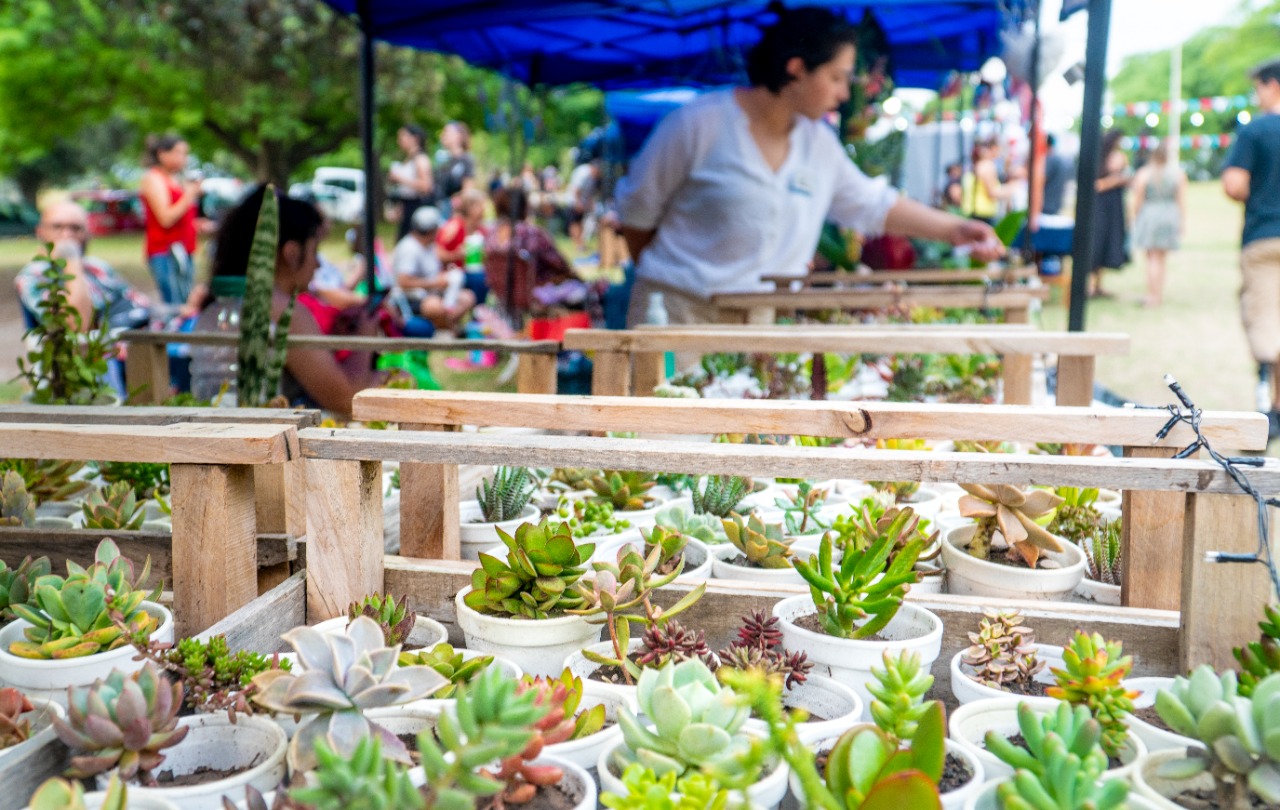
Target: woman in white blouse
[(736, 184)]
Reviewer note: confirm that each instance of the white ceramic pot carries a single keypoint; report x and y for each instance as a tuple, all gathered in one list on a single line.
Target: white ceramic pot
[(49, 679), (410, 718), (58, 523), (985, 799), (1156, 739), (849, 661), (426, 632), (1101, 593), (1157, 790), (62, 509), (966, 689), (926, 502), (968, 726), (577, 784), (967, 575), (475, 535), (254, 743), (765, 793), (721, 568), (822, 697), (585, 752), (951, 800), (96, 799), (41, 718), (538, 647)]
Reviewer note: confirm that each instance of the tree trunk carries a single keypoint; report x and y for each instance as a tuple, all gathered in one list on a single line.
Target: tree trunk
[(273, 164)]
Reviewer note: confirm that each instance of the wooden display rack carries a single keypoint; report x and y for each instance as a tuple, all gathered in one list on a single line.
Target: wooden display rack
[(763, 307), (988, 275)]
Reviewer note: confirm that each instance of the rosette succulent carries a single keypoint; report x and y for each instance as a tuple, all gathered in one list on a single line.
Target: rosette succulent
[(17, 507), (450, 663), (707, 528), (1013, 513), (536, 581), (17, 584), (115, 506), (627, 490), (1003, 651), (1093, 677), (763, 545), (395, 618)]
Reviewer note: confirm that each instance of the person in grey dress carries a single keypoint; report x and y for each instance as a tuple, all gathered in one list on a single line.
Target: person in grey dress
[(1159, 215)]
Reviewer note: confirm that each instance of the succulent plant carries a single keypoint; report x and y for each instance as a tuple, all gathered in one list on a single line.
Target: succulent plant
[(122, 721), (47, 479), (536, 581), (395, 618), (763, 545), (1104, 554), (589, 518), (77, 615), (506, 494), (759, 646), (670, 545), (1241, 735), (801, 512), (363, 779), (571, 479), (871, 518), (670, 643), (868, 769), (858, 597), (342, 675), (697, 723), (146, 478), (719, 495), (648, 791), (898, 690), (1093, 677), (17, 507), (17, 584), (60, 794), (1013, 513), (1257, 659), (627, 490), (1077, 519), (213, 678), (450, 663), (114, 507), (677, 518), (562, 697), (14, 728), (1002, 653), (1061, 765)]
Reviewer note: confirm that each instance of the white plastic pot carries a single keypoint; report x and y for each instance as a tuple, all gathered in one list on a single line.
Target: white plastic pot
[(1157, 790), (985, 799), (539, 647), (254, 743), (585, 753), (821, 697), (970, 576), (966, 689), (849, 661), (59, 523), (1156, 739), (49, 679), (426, 632), (41, 718), (768, 792), (642, 518), (926, 502), (475, 535), (951, 800), (723, 569)]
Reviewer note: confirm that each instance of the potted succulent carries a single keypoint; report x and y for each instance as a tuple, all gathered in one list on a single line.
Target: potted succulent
[(502, 501), (629, 493), (854, 611), (681, 518), (25, 724), (400, 626), (17, 507), (113, 507), (213, 678), (60, 794), (1007, 553), (645, 790), (50, 482), (1092, 675), (520, 607), (17, 584), (65, 634), (1003, 659), (763, 552), (719, 496), (1104, 566), (459, 666), (866, 522), (129, 724), (593, 519)]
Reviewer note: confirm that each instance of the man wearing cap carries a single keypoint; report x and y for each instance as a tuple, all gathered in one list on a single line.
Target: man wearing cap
[(437, 295)]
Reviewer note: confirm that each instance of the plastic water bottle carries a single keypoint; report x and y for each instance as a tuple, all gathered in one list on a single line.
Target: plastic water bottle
[(213, 367), (473, 252)]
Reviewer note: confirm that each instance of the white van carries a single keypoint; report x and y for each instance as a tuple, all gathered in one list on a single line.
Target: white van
[(337, 192)]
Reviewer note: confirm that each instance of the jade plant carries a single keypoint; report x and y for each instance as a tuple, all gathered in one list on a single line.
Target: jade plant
[(364, 779), (115, 506), (450, 663), (17, 507), (14, 728), (342, 675), (762, 545), (17, 584), (90, 610), (1002, 653), (1257, 659), (504, 496), (719, 495), (1104, 555), (1240, 735), (1013, 513), (536, 581), (393, 617), (626, 490), (858, 597), (1093, 676), (122, 721), (1061, 766), (645, 790), (759, 646)]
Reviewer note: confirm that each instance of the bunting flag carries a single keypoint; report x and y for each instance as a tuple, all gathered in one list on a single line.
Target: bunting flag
[(1218, 104), (1202, 142)]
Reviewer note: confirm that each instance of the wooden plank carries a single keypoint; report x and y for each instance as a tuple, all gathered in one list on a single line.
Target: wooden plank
[(429, 505), (280, 506), (831, 328), (810, 300), (147, 415), (352, 342), (1221, 602), (536, 374), (647, 372), (146, 374), (914, 276), (791, 462), (797, 339), (611, 374), (344, 534), (1016, 367), (1151, 542), (215, 555), (1127, 427), (1075, 379), (187, 443), (257, 626)]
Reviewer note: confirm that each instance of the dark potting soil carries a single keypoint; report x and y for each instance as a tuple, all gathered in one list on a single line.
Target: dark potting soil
[(552, 797), (411, 742), (810, 622), (1206, 800), (1003, 556), (1033, 689), (1148, 714), (956, 773), (200, 776)]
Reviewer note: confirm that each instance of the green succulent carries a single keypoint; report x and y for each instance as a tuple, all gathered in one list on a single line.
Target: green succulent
[(1258, 659), (898, 689), (1241, 735), (763, 545), (17, 584), (1104, 554), (868, 769), (450, 663), (1061, 766), (505, 495), (212, 674), (543, 562), (678, 518), (801, 512), (146, 478), (627, 490), (858, 597), (342, 675), (122, 721), (47, 479), (364, 779), (571, 479), (114, 507), (719, 495), (394, 618), (60, 794), (1077, 518), (871, 519), (900, 491), (72, 617), (17, 507), (589, 518), (648, 791), (1093, 677)]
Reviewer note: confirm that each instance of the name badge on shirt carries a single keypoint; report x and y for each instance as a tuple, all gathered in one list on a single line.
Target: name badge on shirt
[(801, 183)]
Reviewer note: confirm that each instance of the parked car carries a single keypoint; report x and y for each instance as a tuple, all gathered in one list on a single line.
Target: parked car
[(111, 211), (17, 218), (337, 192)]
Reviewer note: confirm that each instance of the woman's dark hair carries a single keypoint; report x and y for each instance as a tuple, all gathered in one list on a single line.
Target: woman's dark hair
[(813, 34), (419, 134), (1110, 142), (156, 144), (511, 202), (299, 222), (1268, 71)]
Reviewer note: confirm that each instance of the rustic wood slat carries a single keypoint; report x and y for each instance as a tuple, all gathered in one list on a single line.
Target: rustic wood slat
[(1016, 368), (611, 374), (344, 534), (148, 415), (867, 420), (1075, 379), (647, 372), (429, 514), (921, 276), (256, 627), (1151, 543), (536, 374), (815, 299), (147, 370), (828, 328), (353, 342), (192, 443), (758, 460)]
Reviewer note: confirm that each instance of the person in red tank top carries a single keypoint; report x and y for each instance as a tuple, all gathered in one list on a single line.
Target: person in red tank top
[(169, 204)]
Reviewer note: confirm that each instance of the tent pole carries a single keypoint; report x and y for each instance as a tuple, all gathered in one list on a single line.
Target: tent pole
[(371, 174), (1095, 82), (1034, 169)]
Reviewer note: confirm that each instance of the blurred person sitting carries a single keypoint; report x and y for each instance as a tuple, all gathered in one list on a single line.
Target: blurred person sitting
[(467, 219), (434, 293), (521, 259)]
